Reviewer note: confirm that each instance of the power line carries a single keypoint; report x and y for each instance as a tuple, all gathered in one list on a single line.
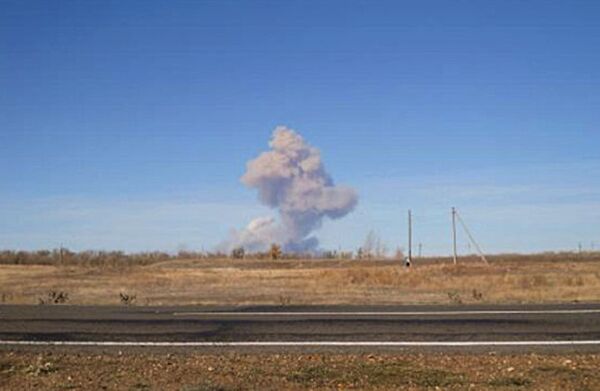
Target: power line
[(409, 259), (454, 235), (462, 223)]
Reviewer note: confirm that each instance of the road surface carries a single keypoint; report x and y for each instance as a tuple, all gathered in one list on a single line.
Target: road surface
[(574, 327)]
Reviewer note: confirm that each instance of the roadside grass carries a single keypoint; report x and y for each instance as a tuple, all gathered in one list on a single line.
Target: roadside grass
[(210, 386), (140, 386), (508, 279), (511, 382), (7, 368), (567, 375), (373, 374)]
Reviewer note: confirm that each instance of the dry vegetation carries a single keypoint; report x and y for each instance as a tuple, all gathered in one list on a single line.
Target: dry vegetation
[(508, 279), (226, 372)]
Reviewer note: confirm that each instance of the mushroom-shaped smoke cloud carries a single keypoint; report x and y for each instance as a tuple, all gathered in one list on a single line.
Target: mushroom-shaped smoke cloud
[(291, 178)]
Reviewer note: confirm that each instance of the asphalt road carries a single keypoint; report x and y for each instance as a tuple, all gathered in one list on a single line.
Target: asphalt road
[(574, 327)]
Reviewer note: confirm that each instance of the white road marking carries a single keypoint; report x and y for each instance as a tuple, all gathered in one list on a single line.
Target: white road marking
[(305, 343), (390, 313)]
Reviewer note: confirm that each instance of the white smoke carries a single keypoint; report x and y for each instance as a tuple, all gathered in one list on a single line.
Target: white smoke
[(291, 178)]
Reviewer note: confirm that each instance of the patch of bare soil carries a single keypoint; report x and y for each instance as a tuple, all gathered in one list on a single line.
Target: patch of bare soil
[(202, 372)]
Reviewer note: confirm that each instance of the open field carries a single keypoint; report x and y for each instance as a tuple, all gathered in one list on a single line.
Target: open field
[(200, 372), (508, 279)]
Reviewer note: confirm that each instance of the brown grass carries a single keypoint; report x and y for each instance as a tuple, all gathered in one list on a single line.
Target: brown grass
[(508, 279)]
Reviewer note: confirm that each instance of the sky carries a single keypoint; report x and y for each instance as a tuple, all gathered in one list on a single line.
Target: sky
[(127, 124)]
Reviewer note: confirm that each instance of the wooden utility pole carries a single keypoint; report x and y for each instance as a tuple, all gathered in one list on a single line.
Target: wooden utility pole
[(454, 234), (409, 259)]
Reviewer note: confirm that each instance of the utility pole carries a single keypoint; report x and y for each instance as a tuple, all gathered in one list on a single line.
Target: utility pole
[(409, 259), (454, 234), (420, 249)]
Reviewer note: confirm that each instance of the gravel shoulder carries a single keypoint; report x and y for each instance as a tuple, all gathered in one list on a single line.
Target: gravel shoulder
[(187, 371)]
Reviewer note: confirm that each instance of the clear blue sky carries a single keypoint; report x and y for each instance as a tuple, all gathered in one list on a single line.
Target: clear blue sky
[(127, 124)]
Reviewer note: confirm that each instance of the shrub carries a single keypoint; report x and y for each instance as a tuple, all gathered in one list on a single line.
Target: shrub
[(54, 297), (238, 253), (275, 252), (126, 298)]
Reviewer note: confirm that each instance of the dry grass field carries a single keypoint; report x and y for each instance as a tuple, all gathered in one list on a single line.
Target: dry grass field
[(507, 279)]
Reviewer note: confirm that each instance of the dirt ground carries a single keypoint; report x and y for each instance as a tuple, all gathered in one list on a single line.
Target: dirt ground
[(508, 279), (198, 372)]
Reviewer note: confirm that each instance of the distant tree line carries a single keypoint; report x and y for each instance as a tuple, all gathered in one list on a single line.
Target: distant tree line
[(367, 252), (63, 256)]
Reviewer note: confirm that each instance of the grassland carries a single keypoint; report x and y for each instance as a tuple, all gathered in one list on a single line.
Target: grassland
[(507, 279), (197, 372)]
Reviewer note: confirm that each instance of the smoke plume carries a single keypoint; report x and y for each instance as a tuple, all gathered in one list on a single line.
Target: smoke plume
[(290, 178)]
